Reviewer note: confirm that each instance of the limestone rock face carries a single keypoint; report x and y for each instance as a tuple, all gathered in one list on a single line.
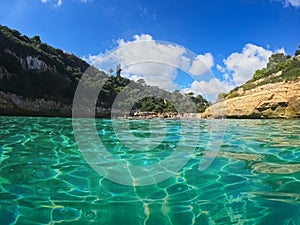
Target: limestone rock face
[(32, 62), (11, 104), (16, 105), (274, 100)]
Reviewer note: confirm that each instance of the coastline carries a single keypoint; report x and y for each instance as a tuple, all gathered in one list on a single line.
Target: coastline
[(271, 101), (274, 100)]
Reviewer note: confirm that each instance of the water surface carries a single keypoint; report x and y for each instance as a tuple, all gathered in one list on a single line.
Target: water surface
[(255, 178)]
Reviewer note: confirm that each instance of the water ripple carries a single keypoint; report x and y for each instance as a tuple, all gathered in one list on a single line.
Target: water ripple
[(254, 178)]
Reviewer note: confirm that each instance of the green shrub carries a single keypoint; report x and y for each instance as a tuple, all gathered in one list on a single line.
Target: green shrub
[(292, 74), (249, 86), (10, 62), (233, 95)]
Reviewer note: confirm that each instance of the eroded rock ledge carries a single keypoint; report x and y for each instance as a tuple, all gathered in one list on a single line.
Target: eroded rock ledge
[(275, 100), (11, 104)]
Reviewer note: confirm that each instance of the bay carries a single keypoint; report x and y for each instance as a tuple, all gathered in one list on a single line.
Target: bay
[(254, 177)]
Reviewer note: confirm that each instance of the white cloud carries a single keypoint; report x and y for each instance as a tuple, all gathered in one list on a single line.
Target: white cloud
[(243, 65), (209, 89), (202, 64), (58, 3), (146, 14), (156, 62), (220, 68), (238, 68), (154, 73), (294, 3)]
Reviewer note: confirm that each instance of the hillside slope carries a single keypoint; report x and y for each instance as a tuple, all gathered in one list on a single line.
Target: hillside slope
[(274, 100), (39, 80), (273, 92)]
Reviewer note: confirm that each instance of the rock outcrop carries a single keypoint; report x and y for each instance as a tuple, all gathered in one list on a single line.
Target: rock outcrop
[(16, 105), (34, 63), (274, 100), (11, 104)]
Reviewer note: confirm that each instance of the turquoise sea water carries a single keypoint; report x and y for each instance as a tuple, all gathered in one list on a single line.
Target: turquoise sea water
[(254, 179)]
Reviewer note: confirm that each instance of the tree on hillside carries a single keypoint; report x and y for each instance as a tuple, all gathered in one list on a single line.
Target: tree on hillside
[(36, 40), (297, 52), (141, 81), (221, 96), (118, 70), (275, 59), (110, 71)]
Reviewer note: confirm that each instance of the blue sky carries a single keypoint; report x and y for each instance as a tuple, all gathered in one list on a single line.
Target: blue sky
[(233, 38)]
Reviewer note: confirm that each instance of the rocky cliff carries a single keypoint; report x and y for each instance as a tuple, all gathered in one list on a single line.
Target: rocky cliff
[(273, 92), (11, 104), (37, 79), (274, 100)]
